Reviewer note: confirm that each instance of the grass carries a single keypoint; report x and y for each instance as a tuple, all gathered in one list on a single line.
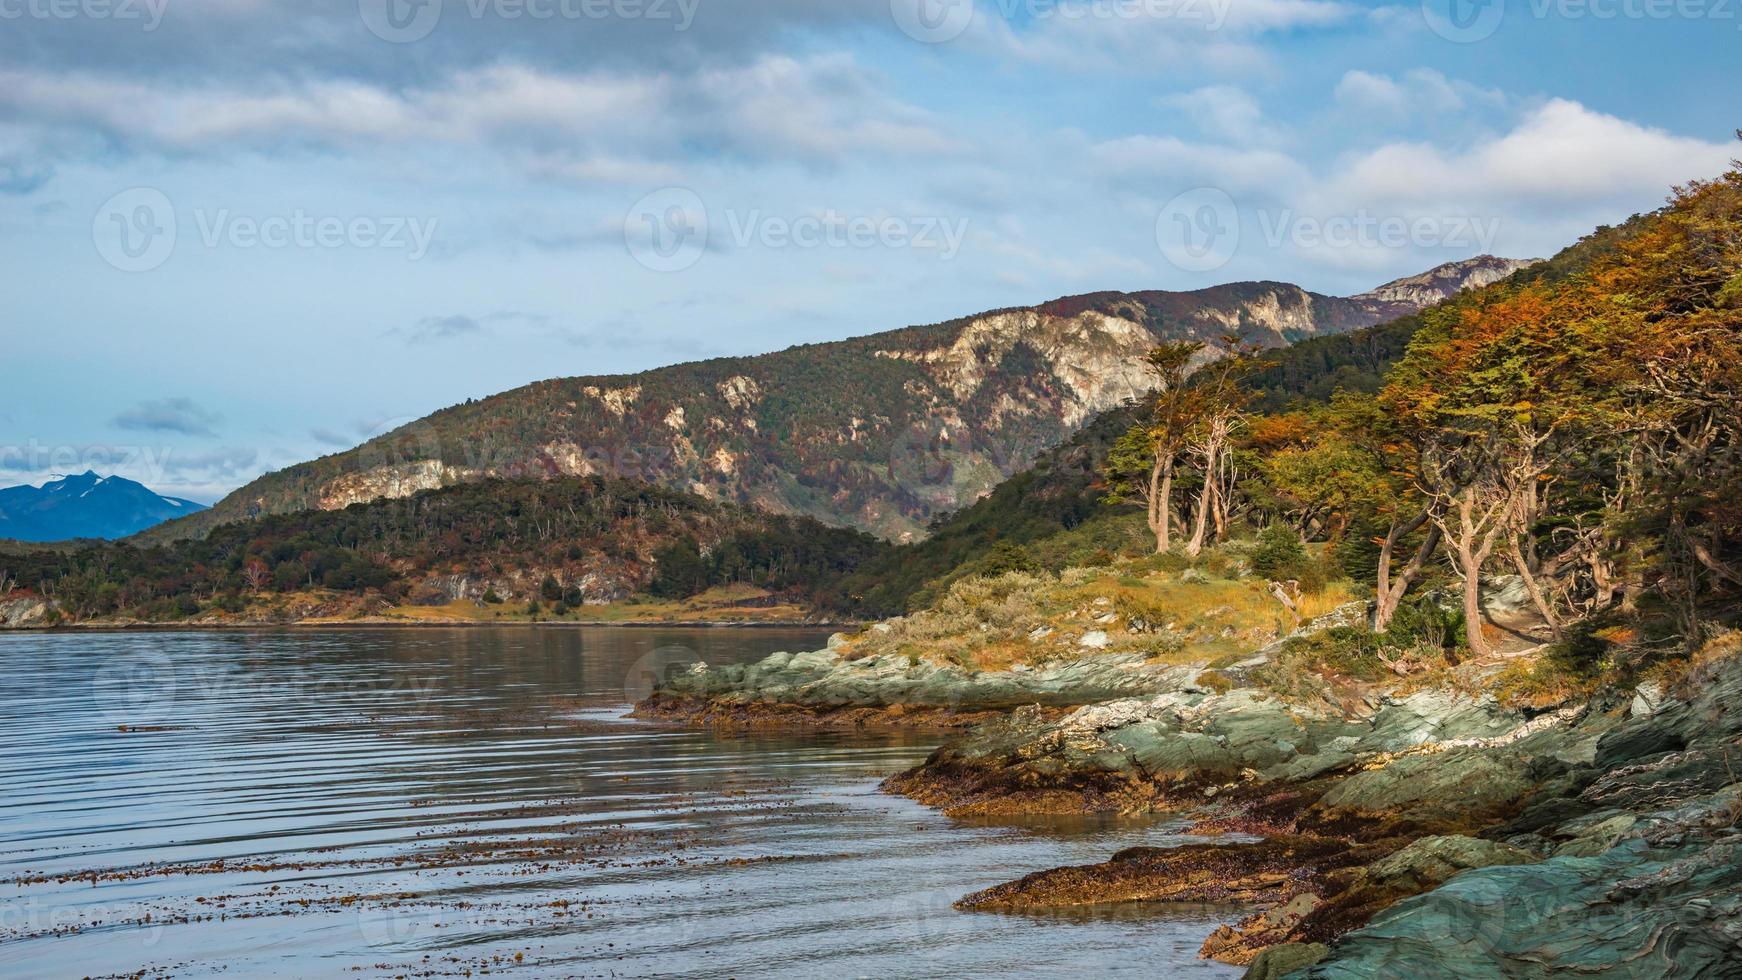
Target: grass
[(723, 604), (1166, 607)]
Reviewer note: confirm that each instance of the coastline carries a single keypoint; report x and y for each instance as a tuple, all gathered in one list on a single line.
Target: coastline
[(1354, 834)]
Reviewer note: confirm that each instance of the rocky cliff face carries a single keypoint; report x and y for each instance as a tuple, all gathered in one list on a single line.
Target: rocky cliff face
[(25, 612), (881, 433), (1441, 282)]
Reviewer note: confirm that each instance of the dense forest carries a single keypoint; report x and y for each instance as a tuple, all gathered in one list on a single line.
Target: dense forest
[(562, 542)]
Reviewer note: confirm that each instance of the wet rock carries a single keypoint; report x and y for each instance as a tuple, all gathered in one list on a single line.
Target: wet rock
[(1432, 861), (1187, 740), (1239, 944), (1357, 891), (1279, 961), (1259, 871), (1633, 911)]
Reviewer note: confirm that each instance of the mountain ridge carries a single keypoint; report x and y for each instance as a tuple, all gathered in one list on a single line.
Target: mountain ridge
[(880, 432)]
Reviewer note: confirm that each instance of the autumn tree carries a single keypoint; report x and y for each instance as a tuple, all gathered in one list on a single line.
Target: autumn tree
[(1218, 410), (1144, 462)]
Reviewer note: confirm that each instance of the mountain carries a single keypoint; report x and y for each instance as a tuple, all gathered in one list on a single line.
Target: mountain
[(880, 433), (1443, 281), (85, 506), (1057, 510)]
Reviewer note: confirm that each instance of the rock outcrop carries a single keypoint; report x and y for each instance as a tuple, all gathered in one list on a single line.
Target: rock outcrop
[(26, 612), (1192, 744), (823, 687), (1428, 832), (1443, 281), (1642, 875)]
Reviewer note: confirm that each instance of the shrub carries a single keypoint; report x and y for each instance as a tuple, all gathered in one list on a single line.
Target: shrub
[(1006, 557), (1424, 620), (550, 589), (1216, 681), (1356, 554), (1279, 554)]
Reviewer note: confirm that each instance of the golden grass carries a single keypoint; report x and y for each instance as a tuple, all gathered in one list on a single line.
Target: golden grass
[(1180, 618), (725, 604)]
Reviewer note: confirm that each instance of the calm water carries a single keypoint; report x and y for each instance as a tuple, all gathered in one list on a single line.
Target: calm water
[(437, 802)]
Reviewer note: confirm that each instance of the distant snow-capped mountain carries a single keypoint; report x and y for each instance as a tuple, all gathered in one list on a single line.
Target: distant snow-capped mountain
[(85, 506)]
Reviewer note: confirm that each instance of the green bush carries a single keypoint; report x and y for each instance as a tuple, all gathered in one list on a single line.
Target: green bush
[(1006, 557), (1423, 620), (1356, 554), (1279, 554)]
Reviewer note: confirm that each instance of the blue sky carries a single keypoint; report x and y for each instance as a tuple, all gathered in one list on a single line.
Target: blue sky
[(381, 210)]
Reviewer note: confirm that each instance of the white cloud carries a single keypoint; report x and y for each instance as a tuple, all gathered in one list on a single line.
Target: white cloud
[(576, 126), (1158, 35), (1560, 152), (1419, 92), (1558, 170), (1159, 162), (180, 415), (1224, 111)]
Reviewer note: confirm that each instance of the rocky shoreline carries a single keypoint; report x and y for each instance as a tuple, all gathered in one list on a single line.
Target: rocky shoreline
[(1430, 831)]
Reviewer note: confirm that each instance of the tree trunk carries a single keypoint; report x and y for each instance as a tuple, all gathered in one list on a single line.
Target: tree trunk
[(1206, 500), (1223, 479), (1211, 454), (1161, 503), (1390, 591), (1520, 562), (1470, 541), (1473, 606)]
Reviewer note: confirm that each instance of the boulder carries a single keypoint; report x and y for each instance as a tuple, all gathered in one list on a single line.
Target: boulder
[(1631, 912), (1280, 961)]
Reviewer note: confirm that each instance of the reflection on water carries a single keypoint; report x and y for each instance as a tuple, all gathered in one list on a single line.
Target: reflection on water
[(434, 802)]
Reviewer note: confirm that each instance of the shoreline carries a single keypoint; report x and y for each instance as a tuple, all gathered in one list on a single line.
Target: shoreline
[(413, 624), (1351, 833)]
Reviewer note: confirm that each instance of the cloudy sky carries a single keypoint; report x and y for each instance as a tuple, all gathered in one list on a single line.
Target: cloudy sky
[(237, 234)]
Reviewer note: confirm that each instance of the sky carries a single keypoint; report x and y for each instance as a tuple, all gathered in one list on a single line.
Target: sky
[(239, 234)]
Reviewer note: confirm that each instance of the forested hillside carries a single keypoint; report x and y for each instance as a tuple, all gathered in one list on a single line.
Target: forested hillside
[(1579, 416), (568, 542), (882, 432)]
